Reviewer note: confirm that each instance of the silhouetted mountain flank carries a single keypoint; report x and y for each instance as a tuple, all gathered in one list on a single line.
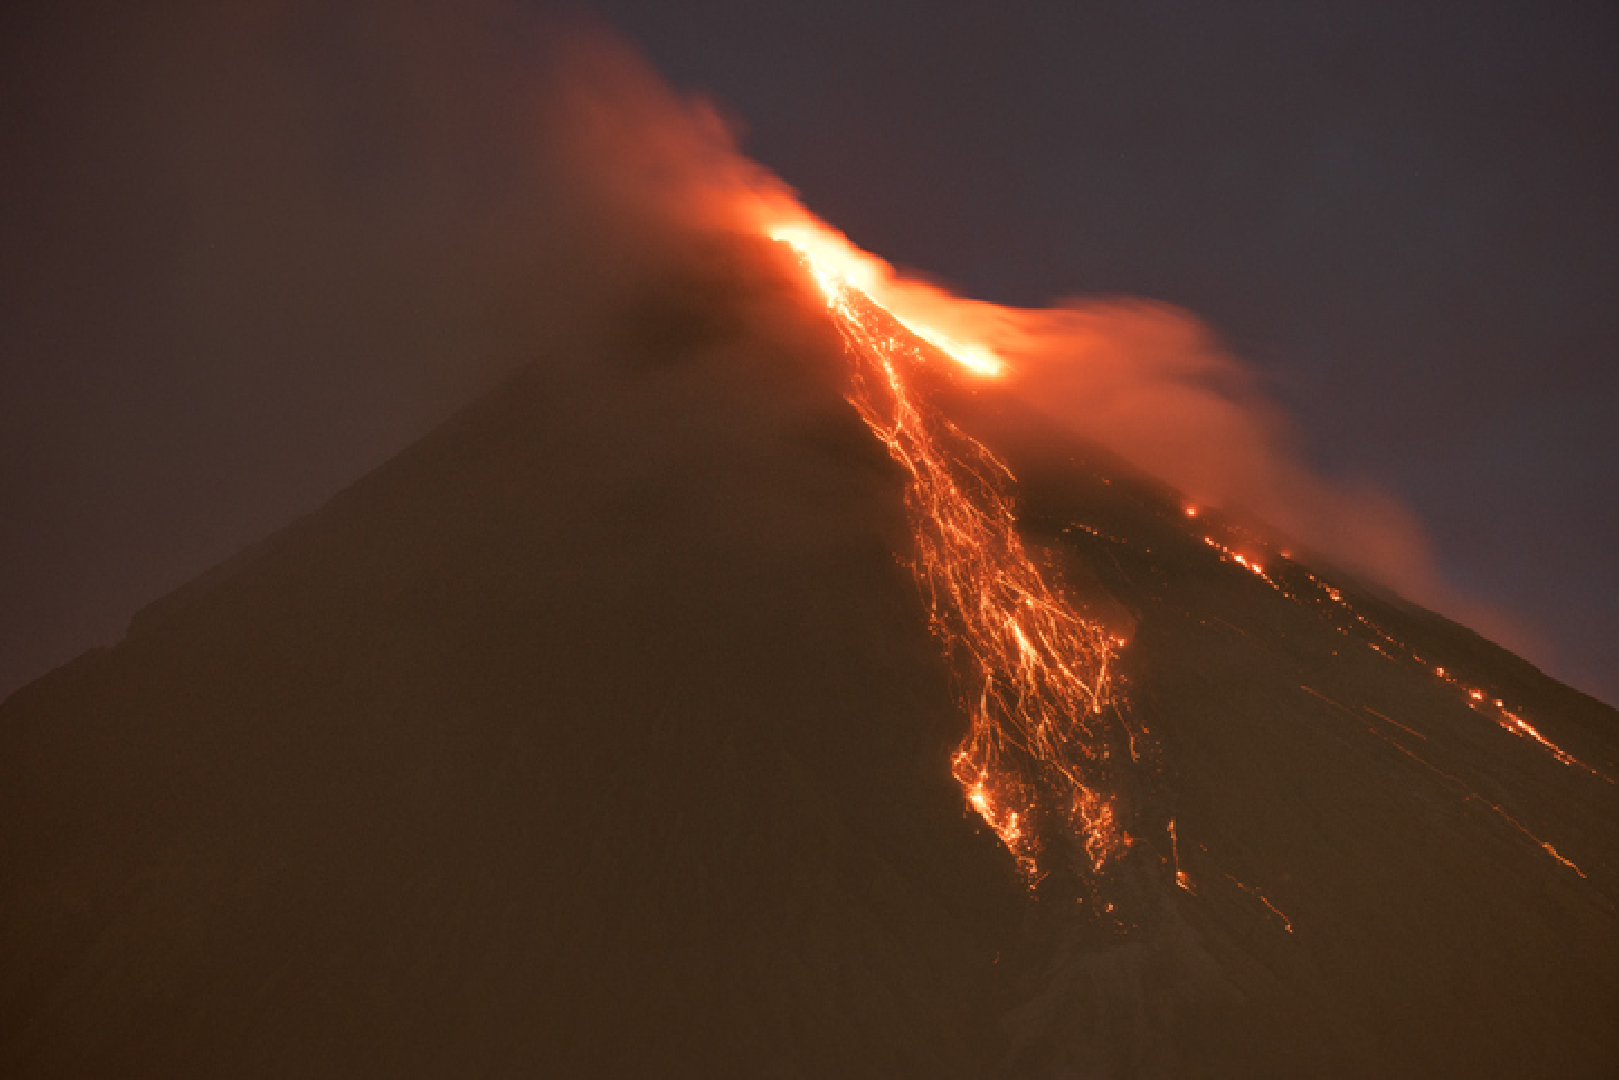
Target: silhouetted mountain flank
[(602, 734)]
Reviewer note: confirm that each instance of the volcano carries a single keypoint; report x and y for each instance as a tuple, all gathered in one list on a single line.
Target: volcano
[(605, 732)]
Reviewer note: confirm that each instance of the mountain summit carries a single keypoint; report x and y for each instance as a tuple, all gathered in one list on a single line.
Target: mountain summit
[(603, 733)]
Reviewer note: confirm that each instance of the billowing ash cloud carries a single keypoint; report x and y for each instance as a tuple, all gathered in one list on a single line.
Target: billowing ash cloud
[(1152, 382), (1146, 379), (255, 249)]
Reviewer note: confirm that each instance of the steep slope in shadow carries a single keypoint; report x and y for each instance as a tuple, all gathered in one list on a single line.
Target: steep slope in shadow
[(601, 734), (598, 734)]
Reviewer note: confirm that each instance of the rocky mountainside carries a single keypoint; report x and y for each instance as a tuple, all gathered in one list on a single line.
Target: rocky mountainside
[(602, 734)]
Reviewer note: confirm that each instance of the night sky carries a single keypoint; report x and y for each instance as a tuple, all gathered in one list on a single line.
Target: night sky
[(248, 256)]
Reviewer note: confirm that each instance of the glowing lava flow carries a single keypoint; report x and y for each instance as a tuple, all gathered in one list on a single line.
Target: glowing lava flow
[(1040, 762)]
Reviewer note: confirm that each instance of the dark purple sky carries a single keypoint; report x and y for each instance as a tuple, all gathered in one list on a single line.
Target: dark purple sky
[(250, 253)]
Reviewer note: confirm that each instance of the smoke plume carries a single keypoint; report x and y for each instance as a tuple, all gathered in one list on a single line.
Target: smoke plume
[(257, 249), (1145, 379)]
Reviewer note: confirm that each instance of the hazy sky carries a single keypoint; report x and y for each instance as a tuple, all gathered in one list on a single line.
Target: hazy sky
[(251, 250)]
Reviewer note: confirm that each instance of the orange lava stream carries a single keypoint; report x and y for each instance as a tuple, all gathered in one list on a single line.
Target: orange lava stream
[(1044, 758), (1036, 676), (1287, 924)]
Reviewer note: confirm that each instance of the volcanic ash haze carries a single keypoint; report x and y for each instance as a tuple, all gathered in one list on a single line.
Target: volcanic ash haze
[(606, 731)]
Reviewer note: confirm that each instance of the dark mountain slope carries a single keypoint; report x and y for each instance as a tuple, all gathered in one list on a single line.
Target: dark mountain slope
[(1312, 753), (596, 735), (600, 734)]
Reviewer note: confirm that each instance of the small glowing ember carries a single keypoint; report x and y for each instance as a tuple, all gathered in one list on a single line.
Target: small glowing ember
[(1181, 877)]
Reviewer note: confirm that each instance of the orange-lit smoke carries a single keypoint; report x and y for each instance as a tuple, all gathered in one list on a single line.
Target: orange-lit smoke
[(1152, 383), (1147, 380)]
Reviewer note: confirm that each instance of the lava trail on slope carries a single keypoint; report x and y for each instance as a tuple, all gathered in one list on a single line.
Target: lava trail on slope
[(1050, 742)]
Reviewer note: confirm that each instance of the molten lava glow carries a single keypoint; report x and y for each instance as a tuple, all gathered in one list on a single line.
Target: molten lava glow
[(1231, 555), (1181, 877), (836, 263), (1041, 758), (1287, 924)]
